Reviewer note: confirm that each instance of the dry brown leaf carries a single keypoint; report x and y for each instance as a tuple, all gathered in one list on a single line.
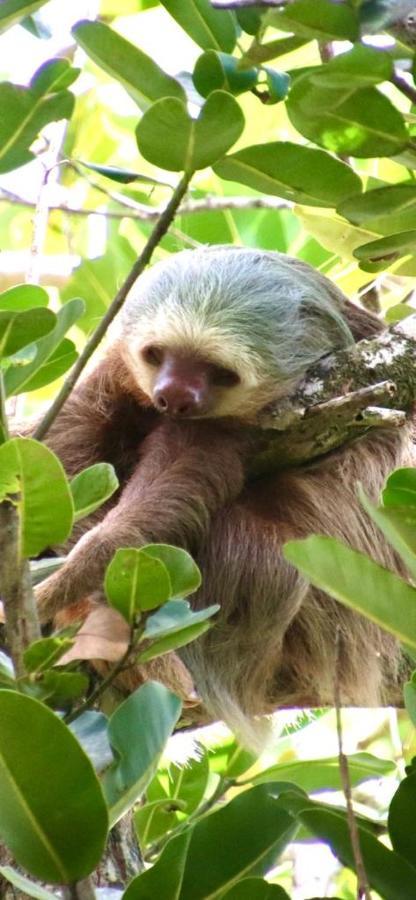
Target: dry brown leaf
[(103, 635)]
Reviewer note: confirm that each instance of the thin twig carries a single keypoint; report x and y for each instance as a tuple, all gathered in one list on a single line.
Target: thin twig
[(22, 625), (402, 85), (363, 887), (145, 213), (158, 232)]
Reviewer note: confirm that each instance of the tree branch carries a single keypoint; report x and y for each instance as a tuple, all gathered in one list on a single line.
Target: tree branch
[(158, 232), (370, 384)]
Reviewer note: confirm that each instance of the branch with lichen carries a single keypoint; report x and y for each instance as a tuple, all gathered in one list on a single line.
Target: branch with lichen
[(369, 385)]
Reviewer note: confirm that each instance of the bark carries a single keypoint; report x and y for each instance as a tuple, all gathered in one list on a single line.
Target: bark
[(371, 384)]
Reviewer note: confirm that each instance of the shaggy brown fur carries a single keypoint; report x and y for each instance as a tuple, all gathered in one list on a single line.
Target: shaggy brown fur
[(183, 482)]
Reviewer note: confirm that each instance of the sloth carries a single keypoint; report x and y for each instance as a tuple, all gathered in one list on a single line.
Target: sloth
[(206, 340)]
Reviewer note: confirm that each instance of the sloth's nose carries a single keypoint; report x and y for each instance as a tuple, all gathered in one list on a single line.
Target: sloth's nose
[(179, 402)]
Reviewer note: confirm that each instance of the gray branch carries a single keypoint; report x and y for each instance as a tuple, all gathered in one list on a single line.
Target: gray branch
[(368, 385)]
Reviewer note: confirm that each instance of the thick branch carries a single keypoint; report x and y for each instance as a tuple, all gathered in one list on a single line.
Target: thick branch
[(370, 384)]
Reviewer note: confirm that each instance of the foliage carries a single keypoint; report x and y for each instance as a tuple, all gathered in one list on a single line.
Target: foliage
[(266, 109)]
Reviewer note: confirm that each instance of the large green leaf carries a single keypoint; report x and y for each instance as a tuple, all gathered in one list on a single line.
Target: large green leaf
[(91, 488), (383, 210), (179, 638), (138, 731), (359, 67), (12, 11), (19, 329), (175, 616), (388, 873), (245, 837), (144, 80), (185, 577), (324, 774), (45, 503), (50, 353), (400, 489), (135, 581), (91, 731), (172, 795), (297, 173), (358, 582), (164, 879), (401, 820), (53, 816), (263, 831), (359, 122), (399, 527), (211, 29), (387, 250), (23, 297), (321, 19), (168, 137), (24, 112)]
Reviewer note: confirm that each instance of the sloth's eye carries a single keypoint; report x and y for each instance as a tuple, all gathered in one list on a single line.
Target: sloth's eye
[(221, 377), (152, 355)]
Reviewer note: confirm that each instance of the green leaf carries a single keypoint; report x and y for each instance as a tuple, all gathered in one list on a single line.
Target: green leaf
[(44, 653), (135, 581), (23, 297), (164, 879), (138, 731), (388, 873), (383, 210), (24, 112), (91, 488), (45, 503), (54, 824), (211, 29), (58, 363), (321, 19), (91, 731), (249, 20), (174, 616), (220, 71), (359, 122), (398, 526), (168, 137), (170, 802), (409, 693), (360, 67), (263, 831), (171, 642), (48, 349), (294, 172), (277, 85), (401, 819), (18, 329), (58, 689), (255, 889), (12, 11), (121, 176), (323, 774), (53, 76), (387, 250), (185, 577), (144, 80), (25, 885), (231, 760), (358, 582)]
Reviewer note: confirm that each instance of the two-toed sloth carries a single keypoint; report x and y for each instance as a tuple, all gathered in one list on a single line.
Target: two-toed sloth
[(207, 338)]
